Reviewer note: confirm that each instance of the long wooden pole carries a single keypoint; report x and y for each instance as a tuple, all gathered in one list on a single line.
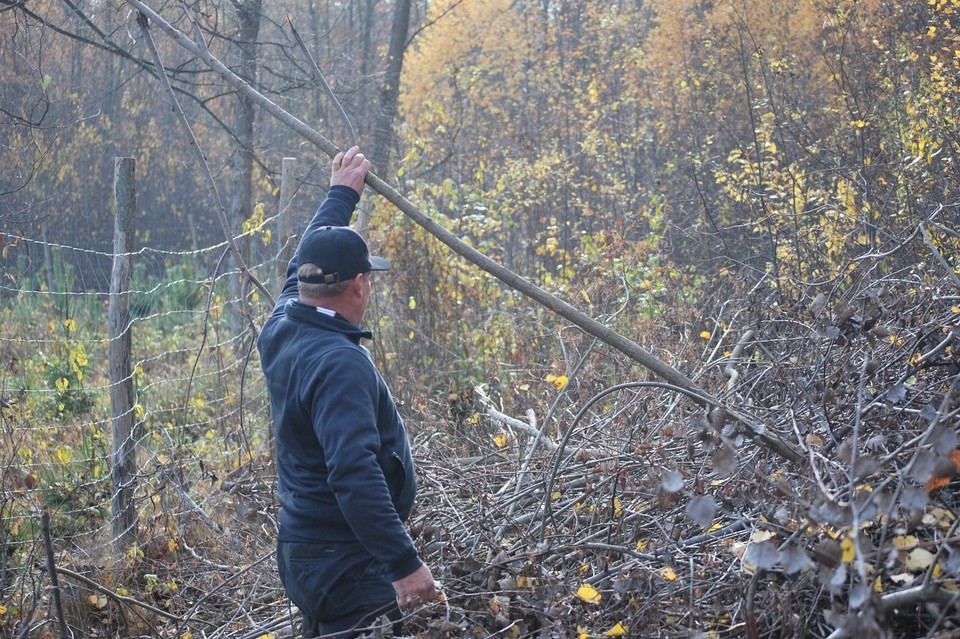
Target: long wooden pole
[(122, 391), (54, 579), (505, 275)]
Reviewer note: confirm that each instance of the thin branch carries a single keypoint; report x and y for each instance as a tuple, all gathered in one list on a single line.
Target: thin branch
[(928, 240), (318, 75), (512, 422)]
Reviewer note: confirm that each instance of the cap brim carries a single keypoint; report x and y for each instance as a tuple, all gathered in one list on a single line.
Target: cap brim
[(379, 264)]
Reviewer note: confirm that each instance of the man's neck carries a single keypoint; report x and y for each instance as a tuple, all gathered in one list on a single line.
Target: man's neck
[(330, 306)]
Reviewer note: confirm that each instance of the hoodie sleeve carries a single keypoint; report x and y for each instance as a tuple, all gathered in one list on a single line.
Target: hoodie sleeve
[(345, 408), (336, 210)]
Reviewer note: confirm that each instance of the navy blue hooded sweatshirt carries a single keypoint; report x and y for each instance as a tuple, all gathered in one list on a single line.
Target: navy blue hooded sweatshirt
[(345, 471)]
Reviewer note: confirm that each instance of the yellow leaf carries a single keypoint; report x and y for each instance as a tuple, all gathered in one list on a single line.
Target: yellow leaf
[(589, 594), (412, 303), (919, 559), (877, 585), (642, 545), (704, 334), (3, 609), (63, 454), (668, 574), (761, 536), (906, 542), (560, 381), (617, 508), (617, 630), (938, 516), (500, 441), (848, 550)]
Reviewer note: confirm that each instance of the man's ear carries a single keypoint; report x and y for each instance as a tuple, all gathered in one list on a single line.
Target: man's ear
[(356, 285)]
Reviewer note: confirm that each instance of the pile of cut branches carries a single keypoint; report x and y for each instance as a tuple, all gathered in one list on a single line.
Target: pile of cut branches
[(642, 513)]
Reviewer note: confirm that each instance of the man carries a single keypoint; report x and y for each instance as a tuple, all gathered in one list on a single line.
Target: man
[(346, 479)]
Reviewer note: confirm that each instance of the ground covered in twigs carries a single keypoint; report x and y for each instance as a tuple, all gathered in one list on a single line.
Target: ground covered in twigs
[(819, 501), (647, 515)]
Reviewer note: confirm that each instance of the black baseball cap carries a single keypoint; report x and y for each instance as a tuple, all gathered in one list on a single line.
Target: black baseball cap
[(339, 252)]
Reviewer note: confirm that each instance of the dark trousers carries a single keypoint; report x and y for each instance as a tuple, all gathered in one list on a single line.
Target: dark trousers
[(340, 589)]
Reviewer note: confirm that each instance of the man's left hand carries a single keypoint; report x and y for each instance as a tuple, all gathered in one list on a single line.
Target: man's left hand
[(350, 168), (416, 589)]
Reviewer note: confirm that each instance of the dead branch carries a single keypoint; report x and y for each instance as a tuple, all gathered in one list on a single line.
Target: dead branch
[(939, 257), (512, 422), (730, 370), (909, 597)]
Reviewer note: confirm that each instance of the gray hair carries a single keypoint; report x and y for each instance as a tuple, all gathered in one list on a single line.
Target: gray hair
[(318, 291)]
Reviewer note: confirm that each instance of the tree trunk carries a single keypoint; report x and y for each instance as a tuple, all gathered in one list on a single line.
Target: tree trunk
[(248, 12), (389, 95)]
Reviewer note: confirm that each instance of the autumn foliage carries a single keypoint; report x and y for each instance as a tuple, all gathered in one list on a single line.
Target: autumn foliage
[(762, 194)]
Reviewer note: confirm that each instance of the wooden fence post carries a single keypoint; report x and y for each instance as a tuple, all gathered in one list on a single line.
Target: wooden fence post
[(122, 391), (285, 219)]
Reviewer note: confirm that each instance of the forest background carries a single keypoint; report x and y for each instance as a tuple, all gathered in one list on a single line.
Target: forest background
[(762, 194)]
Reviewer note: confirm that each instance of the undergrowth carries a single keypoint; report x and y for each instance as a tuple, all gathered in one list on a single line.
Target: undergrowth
[(575, 499)]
